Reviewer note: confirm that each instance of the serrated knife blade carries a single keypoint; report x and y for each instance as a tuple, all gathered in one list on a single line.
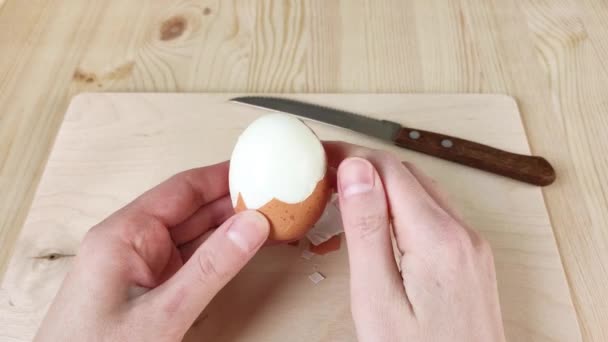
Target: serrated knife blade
[(530, 169), (381, 129)]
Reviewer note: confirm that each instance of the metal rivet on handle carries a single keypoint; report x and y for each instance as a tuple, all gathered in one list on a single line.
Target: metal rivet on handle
[(414, 135), (447, 143)]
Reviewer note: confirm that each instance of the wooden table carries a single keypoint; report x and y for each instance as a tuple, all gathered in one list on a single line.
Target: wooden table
[(550, 55)]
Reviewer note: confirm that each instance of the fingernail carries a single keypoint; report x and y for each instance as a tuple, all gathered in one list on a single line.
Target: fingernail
[(355, 176), (248, 230)]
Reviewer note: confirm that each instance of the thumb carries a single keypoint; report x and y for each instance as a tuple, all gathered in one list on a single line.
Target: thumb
[(213, 264), (373, 268), (366, 224)]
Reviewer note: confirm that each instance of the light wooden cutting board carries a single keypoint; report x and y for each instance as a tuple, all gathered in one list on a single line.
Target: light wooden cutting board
[(112, 147)]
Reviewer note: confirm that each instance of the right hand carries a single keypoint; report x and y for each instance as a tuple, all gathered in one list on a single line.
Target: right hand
[(443, 288)]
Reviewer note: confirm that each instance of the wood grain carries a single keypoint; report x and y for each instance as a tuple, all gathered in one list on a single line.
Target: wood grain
[(112, 147), (550, 55)]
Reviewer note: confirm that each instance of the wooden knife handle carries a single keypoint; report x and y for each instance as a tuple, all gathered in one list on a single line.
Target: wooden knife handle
[(529, 169)]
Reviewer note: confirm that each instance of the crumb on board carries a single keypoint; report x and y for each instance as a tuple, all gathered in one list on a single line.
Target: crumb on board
[(328, 246), (316, 277)]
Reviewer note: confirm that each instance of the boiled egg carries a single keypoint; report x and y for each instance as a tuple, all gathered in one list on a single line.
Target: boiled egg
[(279, 167)]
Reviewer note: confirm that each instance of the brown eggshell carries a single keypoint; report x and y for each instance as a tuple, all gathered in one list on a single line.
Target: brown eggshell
[(291, 221), (331, 245)]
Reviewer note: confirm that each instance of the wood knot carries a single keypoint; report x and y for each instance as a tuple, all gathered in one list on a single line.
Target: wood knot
[(53, 256), (173, 28), (83, 76), (117, 73)]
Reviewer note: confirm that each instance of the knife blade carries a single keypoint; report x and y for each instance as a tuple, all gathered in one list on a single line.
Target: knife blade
[(530, 169)]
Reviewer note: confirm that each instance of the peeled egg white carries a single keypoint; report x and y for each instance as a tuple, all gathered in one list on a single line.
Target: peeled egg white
[(278, 166)]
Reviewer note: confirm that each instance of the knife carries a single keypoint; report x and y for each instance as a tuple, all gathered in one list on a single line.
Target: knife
[(530, 169)]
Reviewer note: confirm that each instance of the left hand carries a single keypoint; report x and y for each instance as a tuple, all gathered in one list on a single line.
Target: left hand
[(147, 271)]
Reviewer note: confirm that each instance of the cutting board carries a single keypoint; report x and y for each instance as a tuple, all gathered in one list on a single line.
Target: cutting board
[(111, 147)]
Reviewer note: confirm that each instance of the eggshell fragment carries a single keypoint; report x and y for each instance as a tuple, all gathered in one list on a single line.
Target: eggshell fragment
[(292, 221), (329, 225), (306, 254), (316, 277), (331, 245)]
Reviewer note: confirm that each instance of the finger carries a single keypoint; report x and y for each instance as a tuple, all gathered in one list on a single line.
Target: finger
[(366, 224), (206, 217), (442, 199), (180, 196), (430, 186), (186, 250), (183, 297), (174, 263), (419, 222)]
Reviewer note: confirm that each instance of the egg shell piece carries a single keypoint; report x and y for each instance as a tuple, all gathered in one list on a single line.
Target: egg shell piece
[(328, 225), (276, 157), (331, 245), (316, 277), (292, 221)]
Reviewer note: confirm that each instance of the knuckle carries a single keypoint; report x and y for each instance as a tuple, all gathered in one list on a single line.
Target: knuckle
[(454, 239), (458, 247), (368, 225), (408, 165), (151, 242), (207, 267), (484, 250), (96, 247), (92, 240), (386, 158), (481, 245)]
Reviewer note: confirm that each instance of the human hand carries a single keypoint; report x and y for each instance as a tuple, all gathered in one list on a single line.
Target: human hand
[(444, 286), (147, 271)]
